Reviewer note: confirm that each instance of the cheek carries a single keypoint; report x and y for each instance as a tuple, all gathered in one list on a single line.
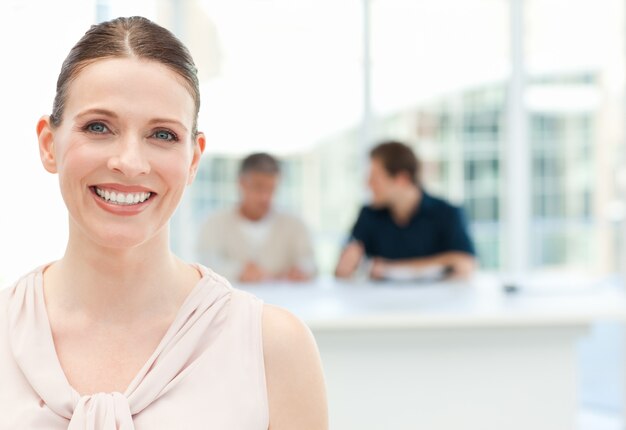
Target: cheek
[(75, 163), (255, 196), (174, 169)]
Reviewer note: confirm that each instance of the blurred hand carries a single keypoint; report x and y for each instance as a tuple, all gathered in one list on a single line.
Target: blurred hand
[(379, 268), (252, 272), (296, 275), (349, 260)]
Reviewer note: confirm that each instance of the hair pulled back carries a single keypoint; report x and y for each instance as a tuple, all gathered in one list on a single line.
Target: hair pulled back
[(132, 37)]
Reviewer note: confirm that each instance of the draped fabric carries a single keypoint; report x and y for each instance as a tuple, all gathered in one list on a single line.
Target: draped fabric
[(196, 327)]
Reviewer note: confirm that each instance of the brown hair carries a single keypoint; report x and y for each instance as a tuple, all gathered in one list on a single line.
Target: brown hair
[(127, 37), (396, 157)]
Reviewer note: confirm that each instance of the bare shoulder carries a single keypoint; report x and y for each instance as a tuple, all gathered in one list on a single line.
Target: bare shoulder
[(286, 340), (279, 322), (295, 380)]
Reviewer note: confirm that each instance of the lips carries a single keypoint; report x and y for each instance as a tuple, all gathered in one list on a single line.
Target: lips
[(122, 199)]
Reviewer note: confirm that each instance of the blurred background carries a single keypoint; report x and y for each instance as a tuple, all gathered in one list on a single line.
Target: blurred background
[(517, 110)]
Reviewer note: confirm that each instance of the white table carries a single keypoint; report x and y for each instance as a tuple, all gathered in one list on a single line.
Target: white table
[(459, 356)]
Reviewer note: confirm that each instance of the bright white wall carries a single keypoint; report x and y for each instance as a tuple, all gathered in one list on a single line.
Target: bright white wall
[(34, 39)]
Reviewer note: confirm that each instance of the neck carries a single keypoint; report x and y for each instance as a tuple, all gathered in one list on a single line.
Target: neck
[(118, 283), (405, 204), (250, 215)]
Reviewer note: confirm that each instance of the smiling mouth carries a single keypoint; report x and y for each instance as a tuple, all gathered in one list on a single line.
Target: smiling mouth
[(121, 199)]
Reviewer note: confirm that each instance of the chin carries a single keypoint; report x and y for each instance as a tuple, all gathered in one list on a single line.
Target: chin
[(378, 204), (116, 232), (260, 213), (121, 241), (120, 238)]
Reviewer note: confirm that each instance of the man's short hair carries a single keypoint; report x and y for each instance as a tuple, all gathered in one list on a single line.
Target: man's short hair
[(259, 162), (396, 157)]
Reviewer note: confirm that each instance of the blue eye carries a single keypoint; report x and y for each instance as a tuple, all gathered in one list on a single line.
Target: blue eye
[(165, 135), (97, 127)]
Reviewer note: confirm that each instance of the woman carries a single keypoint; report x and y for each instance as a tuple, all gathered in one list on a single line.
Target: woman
[(120, 333)]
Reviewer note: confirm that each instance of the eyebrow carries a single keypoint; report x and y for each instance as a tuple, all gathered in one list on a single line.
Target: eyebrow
[(166, 120), (113, 115), (96, 111)]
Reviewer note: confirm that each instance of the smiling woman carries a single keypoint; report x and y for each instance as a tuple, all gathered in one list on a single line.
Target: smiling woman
[(114, 124), (120, 333)]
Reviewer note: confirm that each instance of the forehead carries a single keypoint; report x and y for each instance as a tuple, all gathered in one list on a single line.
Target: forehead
[(376, 165), (132, 88), (260, 177)]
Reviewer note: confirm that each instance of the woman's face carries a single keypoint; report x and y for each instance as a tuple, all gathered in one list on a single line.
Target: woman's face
[(124, 150)]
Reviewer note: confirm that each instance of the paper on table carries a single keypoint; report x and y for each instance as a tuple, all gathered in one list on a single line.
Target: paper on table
[(433, 273)]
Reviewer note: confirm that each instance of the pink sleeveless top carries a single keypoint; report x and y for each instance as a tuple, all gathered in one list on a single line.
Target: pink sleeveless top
[(206, 373)]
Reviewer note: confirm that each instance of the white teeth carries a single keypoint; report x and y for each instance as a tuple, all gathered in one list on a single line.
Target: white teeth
[(122, 198)]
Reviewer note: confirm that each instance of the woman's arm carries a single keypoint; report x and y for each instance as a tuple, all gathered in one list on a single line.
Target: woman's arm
[(295, 381)]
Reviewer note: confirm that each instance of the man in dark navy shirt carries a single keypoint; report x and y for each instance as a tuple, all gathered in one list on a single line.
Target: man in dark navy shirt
[(405, 230)]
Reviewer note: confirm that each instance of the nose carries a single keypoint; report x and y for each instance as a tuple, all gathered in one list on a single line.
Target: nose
[(266, 195), (129, 158)]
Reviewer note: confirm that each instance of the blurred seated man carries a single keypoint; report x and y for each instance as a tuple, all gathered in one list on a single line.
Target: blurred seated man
[(406, 232), (253, 242)]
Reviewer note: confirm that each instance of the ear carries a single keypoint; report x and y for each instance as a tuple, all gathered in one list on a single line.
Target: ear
[(46, 144), (198, 149), (403, 179)]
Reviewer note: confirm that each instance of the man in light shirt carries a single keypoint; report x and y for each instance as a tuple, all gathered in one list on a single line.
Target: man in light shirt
[(253, 242)]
